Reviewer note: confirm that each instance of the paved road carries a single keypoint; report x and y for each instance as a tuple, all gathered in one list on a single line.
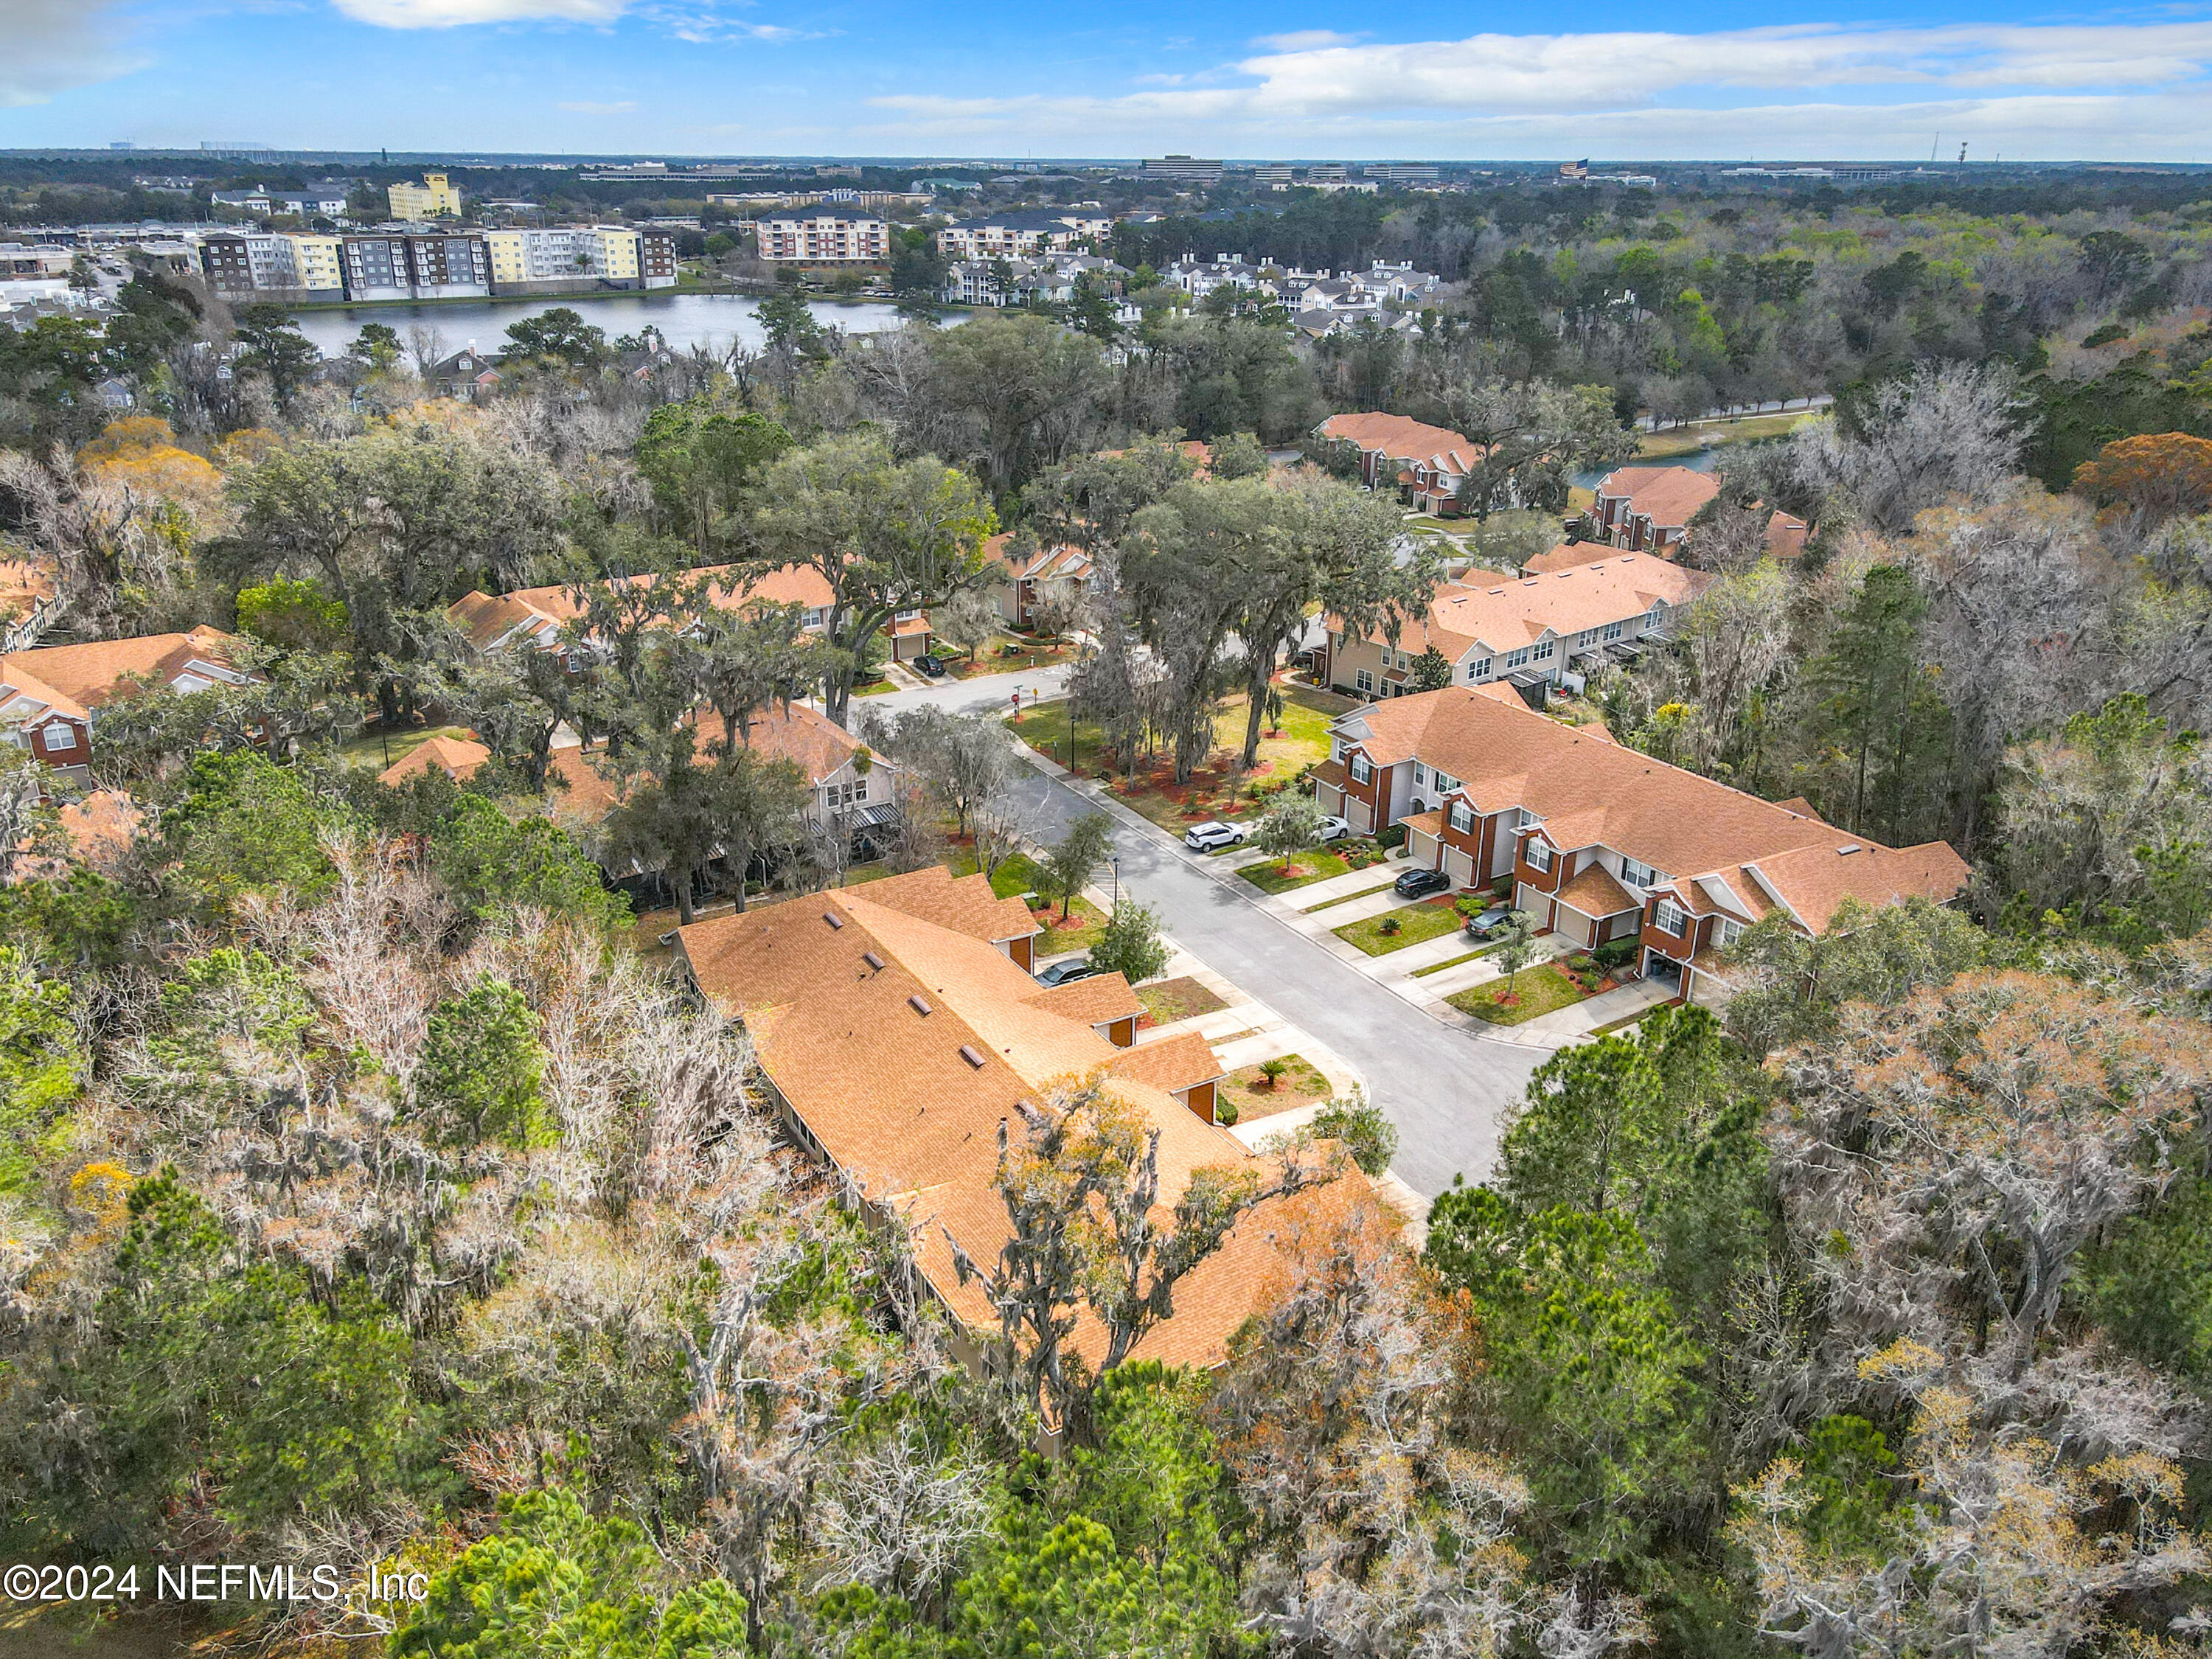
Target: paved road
[(1444, 1088), (987, 694)]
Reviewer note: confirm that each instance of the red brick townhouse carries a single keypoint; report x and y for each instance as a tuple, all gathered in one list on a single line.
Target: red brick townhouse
[(1425, 464), (898, 1033), (1648, 509), (50, 697), (1602, 842), (1528, 630)]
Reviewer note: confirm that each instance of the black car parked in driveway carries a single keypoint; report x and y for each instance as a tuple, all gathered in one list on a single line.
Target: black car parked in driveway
[(1067, 973), (1420, 884), (932, 667)]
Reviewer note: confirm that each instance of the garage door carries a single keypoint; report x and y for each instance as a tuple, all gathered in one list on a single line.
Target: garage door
[(1459, 867)]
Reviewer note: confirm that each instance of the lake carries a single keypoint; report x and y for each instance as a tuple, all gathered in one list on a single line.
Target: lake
[(683, 319)]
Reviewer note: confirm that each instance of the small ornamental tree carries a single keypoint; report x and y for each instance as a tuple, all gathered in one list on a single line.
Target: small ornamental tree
[(1069, 866), (1291, 826), (1517, 947), (1431, 672), (1132, 944)]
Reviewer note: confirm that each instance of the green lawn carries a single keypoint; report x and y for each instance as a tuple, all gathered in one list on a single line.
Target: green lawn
[(1309, 866), (1168, 1000), (1217, 789), (1020, 874), (1539, 990), (1415, 922), (379, 749), (1705, 435), (1244, 1095)]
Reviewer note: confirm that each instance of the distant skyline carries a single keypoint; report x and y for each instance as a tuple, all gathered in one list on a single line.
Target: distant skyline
[(1053, 78)]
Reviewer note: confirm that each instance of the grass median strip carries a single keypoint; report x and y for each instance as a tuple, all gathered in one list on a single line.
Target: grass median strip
[(1271, 876), (1451, 961), (1346, 898)]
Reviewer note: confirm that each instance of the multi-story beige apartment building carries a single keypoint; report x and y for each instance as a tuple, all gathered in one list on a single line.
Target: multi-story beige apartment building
[(428, 200), (822, 236)]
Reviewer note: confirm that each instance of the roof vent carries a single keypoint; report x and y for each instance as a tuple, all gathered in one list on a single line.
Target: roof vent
[(834, 920), (916, 1003), (872, 960), (1498, 589), (1845, 852), (971, 1056)]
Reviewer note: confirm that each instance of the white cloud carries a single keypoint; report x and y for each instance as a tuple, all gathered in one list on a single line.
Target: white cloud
[(1304, 41), (2045, 91), (51, 45), (452, 13), (621, 108)]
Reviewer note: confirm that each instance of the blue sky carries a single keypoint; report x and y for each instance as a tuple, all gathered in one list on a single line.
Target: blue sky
[(1055, 77)]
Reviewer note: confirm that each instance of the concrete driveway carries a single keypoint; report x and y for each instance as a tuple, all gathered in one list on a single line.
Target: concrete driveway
[(1445, 1088)]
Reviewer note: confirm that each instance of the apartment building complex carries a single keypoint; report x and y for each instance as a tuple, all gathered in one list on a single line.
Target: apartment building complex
[(826, 235), (1529, 631), (432, 198), (395, 264), (1602, 842), (1023, 235), (558, 257)]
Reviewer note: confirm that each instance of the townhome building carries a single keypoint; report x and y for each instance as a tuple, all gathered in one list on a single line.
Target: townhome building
[(51, 696), (1199, 277), (1528, 631), (1023, 234), (541, 618), (1648, 509), (1049, 577), (1425, 465), (898, 1035), (851, 790), (824, 235), (1601, 842)]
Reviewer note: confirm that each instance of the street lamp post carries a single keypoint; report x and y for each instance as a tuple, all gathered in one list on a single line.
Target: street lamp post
[(1114, 860)]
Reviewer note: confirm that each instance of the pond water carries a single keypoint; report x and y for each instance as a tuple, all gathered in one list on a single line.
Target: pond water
[(683, 319)]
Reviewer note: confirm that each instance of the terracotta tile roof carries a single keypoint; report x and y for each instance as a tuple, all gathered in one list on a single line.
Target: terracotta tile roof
[(1502, 613), (1331, 773), (99, 827), (1595, 893), (1668, 496), (87, 676), (1174, 1063), (1425, 823), (581, 796), (1798, 804), (1098, 1000), (909, 1103), (1587, 792), (457, 758)]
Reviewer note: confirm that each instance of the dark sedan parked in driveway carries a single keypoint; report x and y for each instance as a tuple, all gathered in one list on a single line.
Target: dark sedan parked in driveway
[(1420, 884), (1486, 924)]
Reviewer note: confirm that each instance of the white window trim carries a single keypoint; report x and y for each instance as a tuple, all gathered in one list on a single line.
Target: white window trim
[(1538, 854), (60, 734), (1663, 911), (1363, 770)]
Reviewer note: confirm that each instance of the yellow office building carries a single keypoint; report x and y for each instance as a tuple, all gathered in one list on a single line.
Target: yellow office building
[(317, 263), (427, 200)]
